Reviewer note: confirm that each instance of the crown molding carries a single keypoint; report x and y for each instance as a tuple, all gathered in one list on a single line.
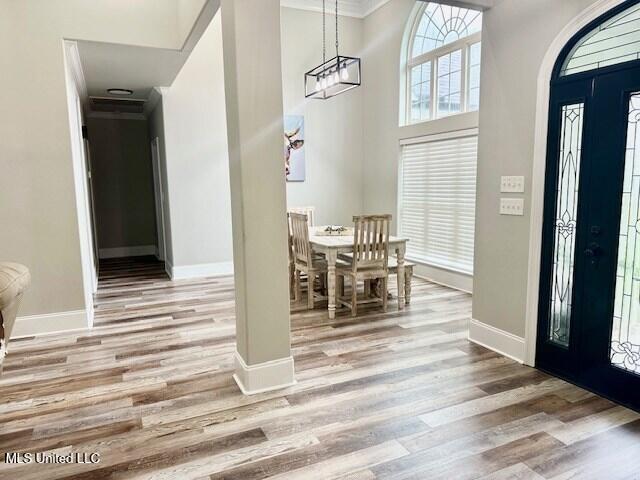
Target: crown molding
[(347, 8)]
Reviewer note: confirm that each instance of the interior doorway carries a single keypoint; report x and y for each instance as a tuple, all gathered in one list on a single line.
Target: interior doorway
[(589, 311)]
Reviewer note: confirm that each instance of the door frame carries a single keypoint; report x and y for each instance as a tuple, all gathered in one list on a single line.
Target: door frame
[(159, 198), (559, 44)]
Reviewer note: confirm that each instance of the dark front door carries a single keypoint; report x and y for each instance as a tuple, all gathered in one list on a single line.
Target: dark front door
[(589, 325)]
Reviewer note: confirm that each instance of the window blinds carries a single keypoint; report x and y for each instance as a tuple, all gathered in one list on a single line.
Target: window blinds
[(437, 198)]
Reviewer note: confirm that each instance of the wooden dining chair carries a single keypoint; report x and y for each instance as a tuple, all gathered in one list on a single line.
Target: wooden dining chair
[(310, 213), (305, 260), (370, 259)]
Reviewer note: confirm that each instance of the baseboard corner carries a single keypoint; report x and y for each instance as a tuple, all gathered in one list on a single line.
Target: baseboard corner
[(498, 340), (185, 272)]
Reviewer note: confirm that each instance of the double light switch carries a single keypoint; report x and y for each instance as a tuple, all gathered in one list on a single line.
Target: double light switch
[(512, 206)]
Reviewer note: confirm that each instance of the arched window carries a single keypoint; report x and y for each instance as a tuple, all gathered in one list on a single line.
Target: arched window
[(443, 62), (610, 43)]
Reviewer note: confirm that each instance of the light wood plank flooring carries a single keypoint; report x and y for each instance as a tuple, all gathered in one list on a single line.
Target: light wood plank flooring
[(382, 396)]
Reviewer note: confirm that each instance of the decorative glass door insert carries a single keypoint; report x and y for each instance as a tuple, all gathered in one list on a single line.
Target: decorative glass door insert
[(565, 222), (625, 333)]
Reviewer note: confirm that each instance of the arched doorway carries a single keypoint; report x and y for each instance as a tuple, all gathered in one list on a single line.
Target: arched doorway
[(589, 296)]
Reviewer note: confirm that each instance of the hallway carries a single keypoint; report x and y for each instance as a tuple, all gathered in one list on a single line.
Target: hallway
[(397, 395)]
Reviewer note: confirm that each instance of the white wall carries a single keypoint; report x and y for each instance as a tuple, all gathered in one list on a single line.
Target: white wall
[(334, 128), (195, 150), (384, 31), (516, 37), (37, 199), (190, 122)]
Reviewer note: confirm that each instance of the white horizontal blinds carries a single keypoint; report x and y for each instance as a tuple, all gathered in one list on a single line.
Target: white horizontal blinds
[(437, 201)]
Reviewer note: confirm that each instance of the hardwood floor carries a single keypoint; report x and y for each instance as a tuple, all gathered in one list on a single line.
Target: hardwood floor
[(401, 395)]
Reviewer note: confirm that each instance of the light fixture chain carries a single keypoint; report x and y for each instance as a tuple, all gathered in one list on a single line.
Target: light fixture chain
[(324, 32), (336, 28)]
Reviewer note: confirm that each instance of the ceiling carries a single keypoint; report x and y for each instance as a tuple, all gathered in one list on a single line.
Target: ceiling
[(110, 65), (139, 69)]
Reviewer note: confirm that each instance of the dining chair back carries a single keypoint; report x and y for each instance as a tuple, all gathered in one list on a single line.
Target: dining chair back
[(302, 252), (371, 242), (310, 212)]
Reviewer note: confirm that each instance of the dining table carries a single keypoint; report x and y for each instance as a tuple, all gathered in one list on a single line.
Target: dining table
[(333, 245)]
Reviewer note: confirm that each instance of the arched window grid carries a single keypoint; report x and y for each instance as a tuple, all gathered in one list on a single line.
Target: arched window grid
[(449, 72)]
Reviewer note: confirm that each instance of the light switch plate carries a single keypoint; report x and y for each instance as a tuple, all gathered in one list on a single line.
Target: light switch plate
[(512, 184), (512, 206)]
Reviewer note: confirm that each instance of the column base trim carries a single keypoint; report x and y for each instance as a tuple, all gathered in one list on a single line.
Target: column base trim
[(499, 341), (263, 377)]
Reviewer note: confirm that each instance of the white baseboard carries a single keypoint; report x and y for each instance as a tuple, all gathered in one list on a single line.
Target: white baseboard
[(49, 323), (263, 377), (120, 252), (447, 278), (182, 272), (499, 341)]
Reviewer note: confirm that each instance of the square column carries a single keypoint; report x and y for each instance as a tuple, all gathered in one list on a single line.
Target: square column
[(253, 88)]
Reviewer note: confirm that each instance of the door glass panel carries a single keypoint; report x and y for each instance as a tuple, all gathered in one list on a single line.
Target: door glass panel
[(565, 223), (625, 335), (614, 41)]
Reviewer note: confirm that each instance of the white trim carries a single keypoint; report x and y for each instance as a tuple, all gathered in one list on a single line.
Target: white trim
[(499, 341), (154, 98), (158, 194), (263, 377), (168, 268), (447, 278), (120, 252), (539, 165), (75, 88), (30, 325), (436, 137), (183, 272), (75, 68)]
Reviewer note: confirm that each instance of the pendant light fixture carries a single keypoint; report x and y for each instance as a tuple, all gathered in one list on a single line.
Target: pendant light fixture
[(335, 76)]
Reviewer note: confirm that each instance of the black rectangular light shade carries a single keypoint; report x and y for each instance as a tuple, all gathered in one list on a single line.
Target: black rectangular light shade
[(332, 78)]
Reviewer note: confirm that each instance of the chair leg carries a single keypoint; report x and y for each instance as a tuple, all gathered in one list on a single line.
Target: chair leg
[(340, 286), (311, 278), (385, 299), (354, 296), (298, 286), (292, 281), (367, 288)]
